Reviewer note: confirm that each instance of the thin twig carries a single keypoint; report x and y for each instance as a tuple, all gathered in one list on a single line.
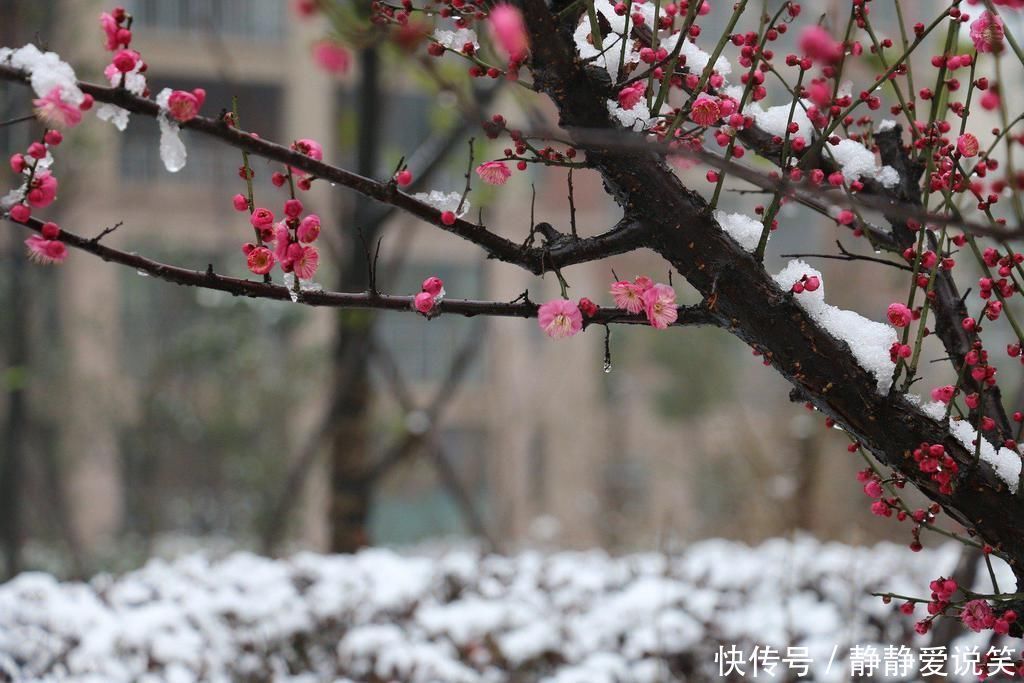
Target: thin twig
[(572, 207), (469, 182)]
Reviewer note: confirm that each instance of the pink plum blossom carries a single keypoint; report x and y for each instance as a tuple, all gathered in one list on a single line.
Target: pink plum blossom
[(660, 305), (706, 111), (434, 286), (560, 318), (45, 251), (52, 110), (309, 228), (184, 106), (260, 260), (310, 148), (977, 615), (43, 190), (304, 260), (820, 46), (967, 145), (110, 30), (631, 95), (508, 30), (629, 295), (494, 172), (987, 33), (332, 57), (899, 314), (423, 302)]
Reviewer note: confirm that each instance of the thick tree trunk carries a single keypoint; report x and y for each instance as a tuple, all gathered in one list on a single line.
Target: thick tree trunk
[(15, 422), (350, 447)]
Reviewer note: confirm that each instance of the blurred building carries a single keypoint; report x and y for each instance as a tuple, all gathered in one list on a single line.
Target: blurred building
[(180, 410)]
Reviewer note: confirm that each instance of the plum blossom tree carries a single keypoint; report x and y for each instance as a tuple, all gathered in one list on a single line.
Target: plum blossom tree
[(641, 92)]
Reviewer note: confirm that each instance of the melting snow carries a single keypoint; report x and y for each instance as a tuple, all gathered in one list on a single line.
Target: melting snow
[(172, 149), (135, 83)]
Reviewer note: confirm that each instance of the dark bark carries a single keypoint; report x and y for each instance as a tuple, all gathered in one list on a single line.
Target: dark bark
[(12, 467), (349, 442)]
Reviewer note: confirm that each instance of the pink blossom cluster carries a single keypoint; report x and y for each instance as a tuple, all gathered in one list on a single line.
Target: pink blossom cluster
[(657, 301), (431, 294), (287, 242), (303, 181), (39, 191), (940, 465)]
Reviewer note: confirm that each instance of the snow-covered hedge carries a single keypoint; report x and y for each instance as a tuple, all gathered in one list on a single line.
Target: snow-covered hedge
[(459, 617)]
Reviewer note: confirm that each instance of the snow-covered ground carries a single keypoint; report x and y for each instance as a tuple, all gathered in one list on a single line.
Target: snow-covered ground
[(459, 617)]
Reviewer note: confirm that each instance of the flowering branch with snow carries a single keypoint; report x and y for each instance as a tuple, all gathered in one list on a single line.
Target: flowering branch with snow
[(635, 93)]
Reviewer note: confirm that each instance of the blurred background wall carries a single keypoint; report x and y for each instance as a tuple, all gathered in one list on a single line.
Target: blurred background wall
[(137, 413)]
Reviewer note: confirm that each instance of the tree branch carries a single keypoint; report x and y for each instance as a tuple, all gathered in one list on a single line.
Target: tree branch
[(536, 260), (208, 279)]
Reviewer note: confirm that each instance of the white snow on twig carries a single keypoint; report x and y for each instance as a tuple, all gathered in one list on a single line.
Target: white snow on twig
[(857, 161), (135, 83), (456, 40), (444, 201), (1005, 462), (869, 341), (742, 228), (696, 59), (46, 71), (637, 119)]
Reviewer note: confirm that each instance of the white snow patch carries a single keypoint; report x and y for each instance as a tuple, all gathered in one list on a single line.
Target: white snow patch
[(857, 161), (775, 120), (443, 201), (637, 119), (696, 59), (46, 71), (1005, 462), (610, 56), (134, 82), (869, 341), (742, 228), (455, 40)]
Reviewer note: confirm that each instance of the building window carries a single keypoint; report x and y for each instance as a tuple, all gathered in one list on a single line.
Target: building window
[(195, 456), (210, 162), (406, 121), (423, 349), (413, 504), (248, 18)]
